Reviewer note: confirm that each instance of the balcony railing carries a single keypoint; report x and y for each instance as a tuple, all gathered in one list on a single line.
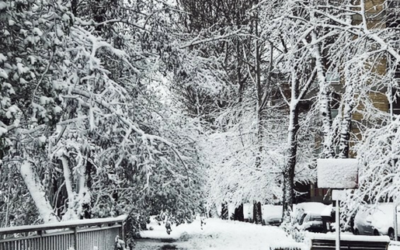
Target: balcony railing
[(90, 234)]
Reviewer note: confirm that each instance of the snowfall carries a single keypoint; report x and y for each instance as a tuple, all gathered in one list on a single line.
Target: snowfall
[(222, 235)]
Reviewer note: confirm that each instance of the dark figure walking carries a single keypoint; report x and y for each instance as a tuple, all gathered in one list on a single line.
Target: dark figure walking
[(202, 222), (168, 226), (119, 244)]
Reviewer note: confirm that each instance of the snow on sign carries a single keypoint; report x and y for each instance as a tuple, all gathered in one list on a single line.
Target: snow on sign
[(337, 173)]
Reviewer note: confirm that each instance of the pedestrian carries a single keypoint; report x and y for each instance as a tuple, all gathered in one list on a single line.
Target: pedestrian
[(202, 221), (168, 226), (119, 244)]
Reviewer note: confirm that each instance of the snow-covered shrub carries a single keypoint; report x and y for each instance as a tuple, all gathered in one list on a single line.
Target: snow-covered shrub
[(184, 237), (291, 227)]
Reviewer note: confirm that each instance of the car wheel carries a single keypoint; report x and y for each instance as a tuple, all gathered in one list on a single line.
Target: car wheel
[(391, 234), (376, 232), (356, 232)]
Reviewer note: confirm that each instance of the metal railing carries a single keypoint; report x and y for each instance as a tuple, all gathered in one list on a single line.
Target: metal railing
[(89, 234)]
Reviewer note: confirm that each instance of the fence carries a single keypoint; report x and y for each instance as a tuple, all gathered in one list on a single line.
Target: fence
[(91, 234), (352, 242)]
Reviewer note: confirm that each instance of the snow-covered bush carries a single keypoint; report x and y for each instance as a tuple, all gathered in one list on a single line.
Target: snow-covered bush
[(291, 226)]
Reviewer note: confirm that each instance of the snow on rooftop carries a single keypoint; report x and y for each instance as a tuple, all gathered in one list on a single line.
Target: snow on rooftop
[(337, 173)]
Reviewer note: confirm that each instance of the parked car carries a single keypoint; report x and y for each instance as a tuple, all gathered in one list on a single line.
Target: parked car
[(376, 220), (313, 216), (272, 215), (310, 208), (312, 223)]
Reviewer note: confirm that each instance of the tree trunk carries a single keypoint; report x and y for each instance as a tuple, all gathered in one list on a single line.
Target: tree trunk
[(257, 215), (74, 7), (257, 212), (344, 145), (87, 204), (288, 181), (289, 170), (71, 214), (324, 101), (239, 213), (224, 211), (37, 192)]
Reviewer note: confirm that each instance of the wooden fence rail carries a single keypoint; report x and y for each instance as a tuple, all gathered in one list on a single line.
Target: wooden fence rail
[(90, 234)]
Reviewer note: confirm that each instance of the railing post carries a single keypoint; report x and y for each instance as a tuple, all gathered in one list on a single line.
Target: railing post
[(122, 231), (75, 238)]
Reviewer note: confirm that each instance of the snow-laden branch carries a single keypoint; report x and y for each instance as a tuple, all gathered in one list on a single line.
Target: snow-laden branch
[(198, 40), (131, 126)]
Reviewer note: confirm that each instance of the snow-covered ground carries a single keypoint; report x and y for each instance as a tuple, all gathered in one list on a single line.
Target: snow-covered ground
[(394, 246), (221, 235)]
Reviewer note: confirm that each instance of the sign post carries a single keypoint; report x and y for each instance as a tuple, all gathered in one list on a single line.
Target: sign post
[(337, 224), (338, 195), (396, 228), (338, 174)]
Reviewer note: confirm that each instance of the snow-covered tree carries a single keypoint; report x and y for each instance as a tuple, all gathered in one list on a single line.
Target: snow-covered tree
[(240, 108), (80, 121)]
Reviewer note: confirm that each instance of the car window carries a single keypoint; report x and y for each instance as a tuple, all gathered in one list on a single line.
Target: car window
[(316, 218)]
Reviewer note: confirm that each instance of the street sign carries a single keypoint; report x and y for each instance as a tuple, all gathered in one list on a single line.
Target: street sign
[(337, 173), (338, 195)]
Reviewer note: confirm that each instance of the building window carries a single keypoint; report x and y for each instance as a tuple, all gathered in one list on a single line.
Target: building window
[(395, 98), (396, 102), (393, 4), (334, 113), (329, 2), (392, 13), (333, 77)]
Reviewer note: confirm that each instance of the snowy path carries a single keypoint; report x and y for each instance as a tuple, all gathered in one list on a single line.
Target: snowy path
[(221, 235)]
